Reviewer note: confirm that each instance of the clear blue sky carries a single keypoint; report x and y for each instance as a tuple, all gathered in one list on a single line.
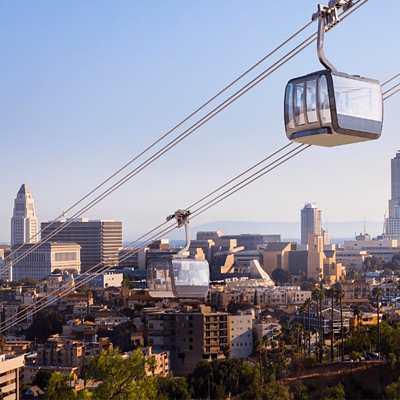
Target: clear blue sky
[(84, 86)]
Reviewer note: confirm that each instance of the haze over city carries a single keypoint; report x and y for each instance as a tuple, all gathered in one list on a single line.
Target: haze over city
[(87, 86)]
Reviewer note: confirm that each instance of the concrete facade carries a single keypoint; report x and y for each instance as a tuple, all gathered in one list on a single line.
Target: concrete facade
[(45, 259), (100, 241)]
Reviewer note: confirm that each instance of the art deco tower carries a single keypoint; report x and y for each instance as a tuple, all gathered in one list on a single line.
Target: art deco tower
[(24, 224)]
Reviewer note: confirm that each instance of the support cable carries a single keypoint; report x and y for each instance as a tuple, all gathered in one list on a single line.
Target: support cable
[(183, 136), (253, 84)]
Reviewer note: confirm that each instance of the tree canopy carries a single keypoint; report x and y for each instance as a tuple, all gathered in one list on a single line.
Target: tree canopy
[(280, 275), (45, 324), (120, 378)]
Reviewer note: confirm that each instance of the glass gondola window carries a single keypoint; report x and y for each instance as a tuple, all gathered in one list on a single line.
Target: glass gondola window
[(356, 100), (161, 276), (299, 104), (324, 109), (190, 275), (289, 107), (311, 98)]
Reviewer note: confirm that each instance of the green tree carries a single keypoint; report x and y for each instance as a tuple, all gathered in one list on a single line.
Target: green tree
[(276, 391), (172, 387), (301, 392), (223, 378), (281, 276), (121, 378), (46, 323), (59, 388), (42, 378), (392, 391), (333, 393), (372, 264)]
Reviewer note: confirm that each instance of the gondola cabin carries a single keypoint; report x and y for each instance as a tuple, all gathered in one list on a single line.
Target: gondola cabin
[(180, 277), (330, 108)]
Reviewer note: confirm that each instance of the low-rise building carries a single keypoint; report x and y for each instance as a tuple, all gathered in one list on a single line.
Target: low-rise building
[(45, 259)]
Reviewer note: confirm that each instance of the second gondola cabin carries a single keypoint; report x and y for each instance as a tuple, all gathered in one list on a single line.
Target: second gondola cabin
[(330, 108), (178, 277)]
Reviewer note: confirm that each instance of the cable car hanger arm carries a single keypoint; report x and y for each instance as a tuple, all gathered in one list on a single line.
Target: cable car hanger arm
[(182, 217), (328, 17)]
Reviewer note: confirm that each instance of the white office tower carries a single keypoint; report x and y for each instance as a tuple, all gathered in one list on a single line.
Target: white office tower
[(24, 224), (310, 222), (393, 222)]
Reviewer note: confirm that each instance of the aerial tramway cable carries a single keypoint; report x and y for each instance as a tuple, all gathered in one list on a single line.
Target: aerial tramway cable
[(245, 182), (252, 83), (7, 324), (161, 138), (182, 136)]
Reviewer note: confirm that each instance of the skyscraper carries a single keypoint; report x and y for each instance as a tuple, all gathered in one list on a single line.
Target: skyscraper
[(310, 222), (24, 224), (99, 240), (393, 222)]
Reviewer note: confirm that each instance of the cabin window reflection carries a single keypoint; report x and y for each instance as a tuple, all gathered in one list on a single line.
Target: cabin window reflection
[(311, 99), (299, 104), (358, 99), (324, 108), (289, 107)]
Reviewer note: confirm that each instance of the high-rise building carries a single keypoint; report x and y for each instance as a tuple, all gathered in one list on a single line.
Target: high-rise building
[(392, 225), (24, 224), (100, 241), (310, 222)]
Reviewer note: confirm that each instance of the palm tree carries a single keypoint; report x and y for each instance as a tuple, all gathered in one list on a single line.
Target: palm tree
[(298, 328), (339, 295), (308, 303), (319, 296), (377, 292), (303, 310), (331, 293)]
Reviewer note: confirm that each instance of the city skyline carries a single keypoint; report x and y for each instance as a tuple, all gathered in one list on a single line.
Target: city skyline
[(86, 88)]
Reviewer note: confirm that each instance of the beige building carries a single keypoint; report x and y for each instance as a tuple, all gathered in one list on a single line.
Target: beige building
[(10, 370), (355, 290), (275, 255), (61, 352), (321, 262), (45, 259), (161, 358), (315, 257)]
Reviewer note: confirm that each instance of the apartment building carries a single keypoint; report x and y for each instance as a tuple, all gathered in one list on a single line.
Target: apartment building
[(10, 371)]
